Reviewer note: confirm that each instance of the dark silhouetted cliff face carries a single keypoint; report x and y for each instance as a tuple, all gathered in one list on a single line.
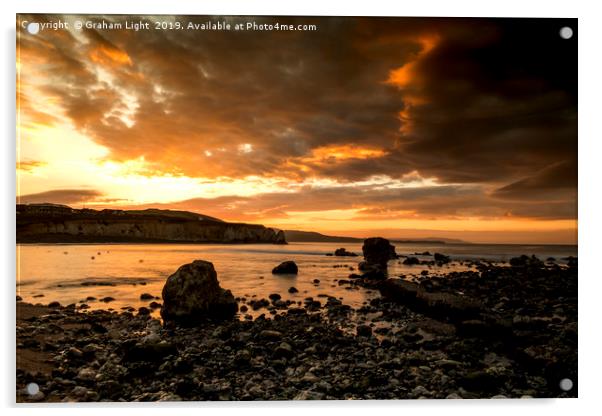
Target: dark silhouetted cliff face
[(58, 224)]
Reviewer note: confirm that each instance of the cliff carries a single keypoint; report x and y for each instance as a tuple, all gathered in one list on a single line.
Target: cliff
[(49, 223)]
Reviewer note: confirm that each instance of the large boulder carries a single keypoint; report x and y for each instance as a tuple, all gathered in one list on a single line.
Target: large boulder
[(192, 294), (378, 251), (287, 267)]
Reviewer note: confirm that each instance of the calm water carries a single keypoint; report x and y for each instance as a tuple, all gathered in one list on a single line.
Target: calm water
[(70, 273)]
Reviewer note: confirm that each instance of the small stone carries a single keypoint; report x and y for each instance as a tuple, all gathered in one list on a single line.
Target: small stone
[(293, 289), (152, 338), (310, 378), (146, 296), (364, 331), (309, 395), (74, 352), (37, 397), (79, 391), (284, 350), (420, 391), (270, 335), (86, 374)]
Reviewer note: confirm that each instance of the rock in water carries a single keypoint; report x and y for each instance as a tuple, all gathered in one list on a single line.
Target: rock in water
[(410, 261), (342, 252), (378, 251), (288, 267), (441, 258), (193, 294), (526, 261)]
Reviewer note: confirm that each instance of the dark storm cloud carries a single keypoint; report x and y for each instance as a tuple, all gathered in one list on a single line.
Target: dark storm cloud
[(431, 202), (61, 196), (498, 106), (556, 180), (480, 101)]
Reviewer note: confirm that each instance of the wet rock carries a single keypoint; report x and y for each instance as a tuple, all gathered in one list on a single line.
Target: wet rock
[(37, 397), (258, 304), (143, 311), (287, 267), (54, 304), (284, 350), (192, 294), (378, 251), (374, 274), (572, 261), (98, 328), (411, 261), (86, 374), (309, 395), (441, 305), (270, 335), (107, 299), (526, 261), (364, 331), (149, 352), (74, 353), (441, 258), (342, 252), (481, 381), (146, 296), (420, 391), (293, 289)]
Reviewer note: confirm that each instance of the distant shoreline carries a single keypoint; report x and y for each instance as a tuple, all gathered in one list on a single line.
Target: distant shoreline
[(204, 243)]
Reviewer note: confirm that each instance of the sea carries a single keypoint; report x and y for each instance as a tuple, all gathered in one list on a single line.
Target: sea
[(85, 273)]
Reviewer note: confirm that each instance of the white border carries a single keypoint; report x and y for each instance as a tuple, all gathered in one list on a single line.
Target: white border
[(590, 209)]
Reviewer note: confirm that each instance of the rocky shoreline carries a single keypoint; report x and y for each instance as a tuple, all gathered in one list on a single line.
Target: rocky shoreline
[(520, 342)]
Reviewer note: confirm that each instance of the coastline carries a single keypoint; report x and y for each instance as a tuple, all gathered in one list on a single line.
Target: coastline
[(296, 352)]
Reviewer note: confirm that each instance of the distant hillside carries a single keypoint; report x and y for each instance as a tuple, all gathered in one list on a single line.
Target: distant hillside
[(296, 236), (313, 237), (52, 223)]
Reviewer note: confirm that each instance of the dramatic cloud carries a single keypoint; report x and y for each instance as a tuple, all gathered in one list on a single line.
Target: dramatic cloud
[(61, 196), (483, 110), (374, 204)]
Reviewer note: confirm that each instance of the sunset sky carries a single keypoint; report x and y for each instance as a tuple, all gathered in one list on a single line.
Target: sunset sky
[(400, 127)]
